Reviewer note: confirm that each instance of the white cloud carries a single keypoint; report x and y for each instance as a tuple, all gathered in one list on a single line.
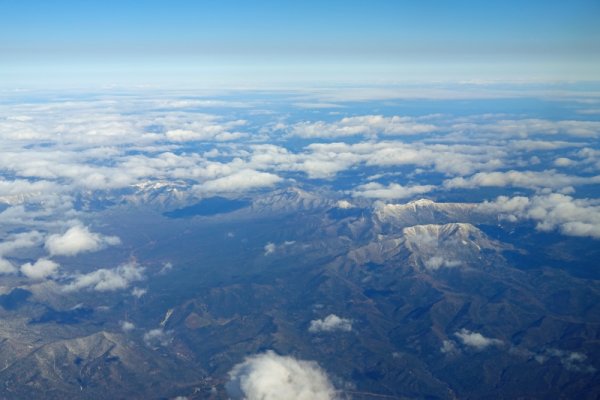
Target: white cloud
[(240, 181), (158, 337), (6, 267), (524, 179), (476, 340), (138, 292), (20, 241), (127, 326), (269, 376), (564, 162), (344, 204), (317, 105), (18, 190), (437, 262), (374, 190), (41, 269), (103, 280), (362, 125), (572, 217), (531, 126), (168, 266), (330, 323), (449, 347), (571, 360), (270, 248), (78, 239), (217, 134), (536, 145), (184, 127)]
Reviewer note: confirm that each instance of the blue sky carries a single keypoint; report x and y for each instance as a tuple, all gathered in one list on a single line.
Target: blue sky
[(241, 42)]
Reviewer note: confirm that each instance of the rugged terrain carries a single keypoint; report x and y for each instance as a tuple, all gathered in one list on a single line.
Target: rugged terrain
[(437, 300)]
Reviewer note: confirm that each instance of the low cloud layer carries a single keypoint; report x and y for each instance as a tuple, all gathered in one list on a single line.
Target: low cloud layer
[(362, 125), (269, 376)]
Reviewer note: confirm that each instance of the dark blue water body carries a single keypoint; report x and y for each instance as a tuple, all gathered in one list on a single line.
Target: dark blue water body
[(206, 207)]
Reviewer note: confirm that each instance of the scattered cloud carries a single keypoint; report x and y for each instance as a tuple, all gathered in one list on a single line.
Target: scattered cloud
[(449, 347), (138, 292), (19, 241), (344, 204), (437, 262), (571, 360), (127, 326), (168, 266), (564, 162), (572, 217), (330, 323), (158, 337), (369, 125), (41, 269), (78, 239), (6, 267), (240, 181), (376, 190), (524, 179), (269, 376), (476, 340), (531, 126), (270, 248), (103, 280)]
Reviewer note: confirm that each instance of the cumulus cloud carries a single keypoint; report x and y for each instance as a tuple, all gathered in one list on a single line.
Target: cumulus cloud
[(524, 179), (6, 267), (41, 269), (476, 340), (362, 125), (103, 280), (269, 376), (572, 217), (78, 239), (374, 190), (240, 181), (344, 204), (564, 162), (16, 242), (330, 323)]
